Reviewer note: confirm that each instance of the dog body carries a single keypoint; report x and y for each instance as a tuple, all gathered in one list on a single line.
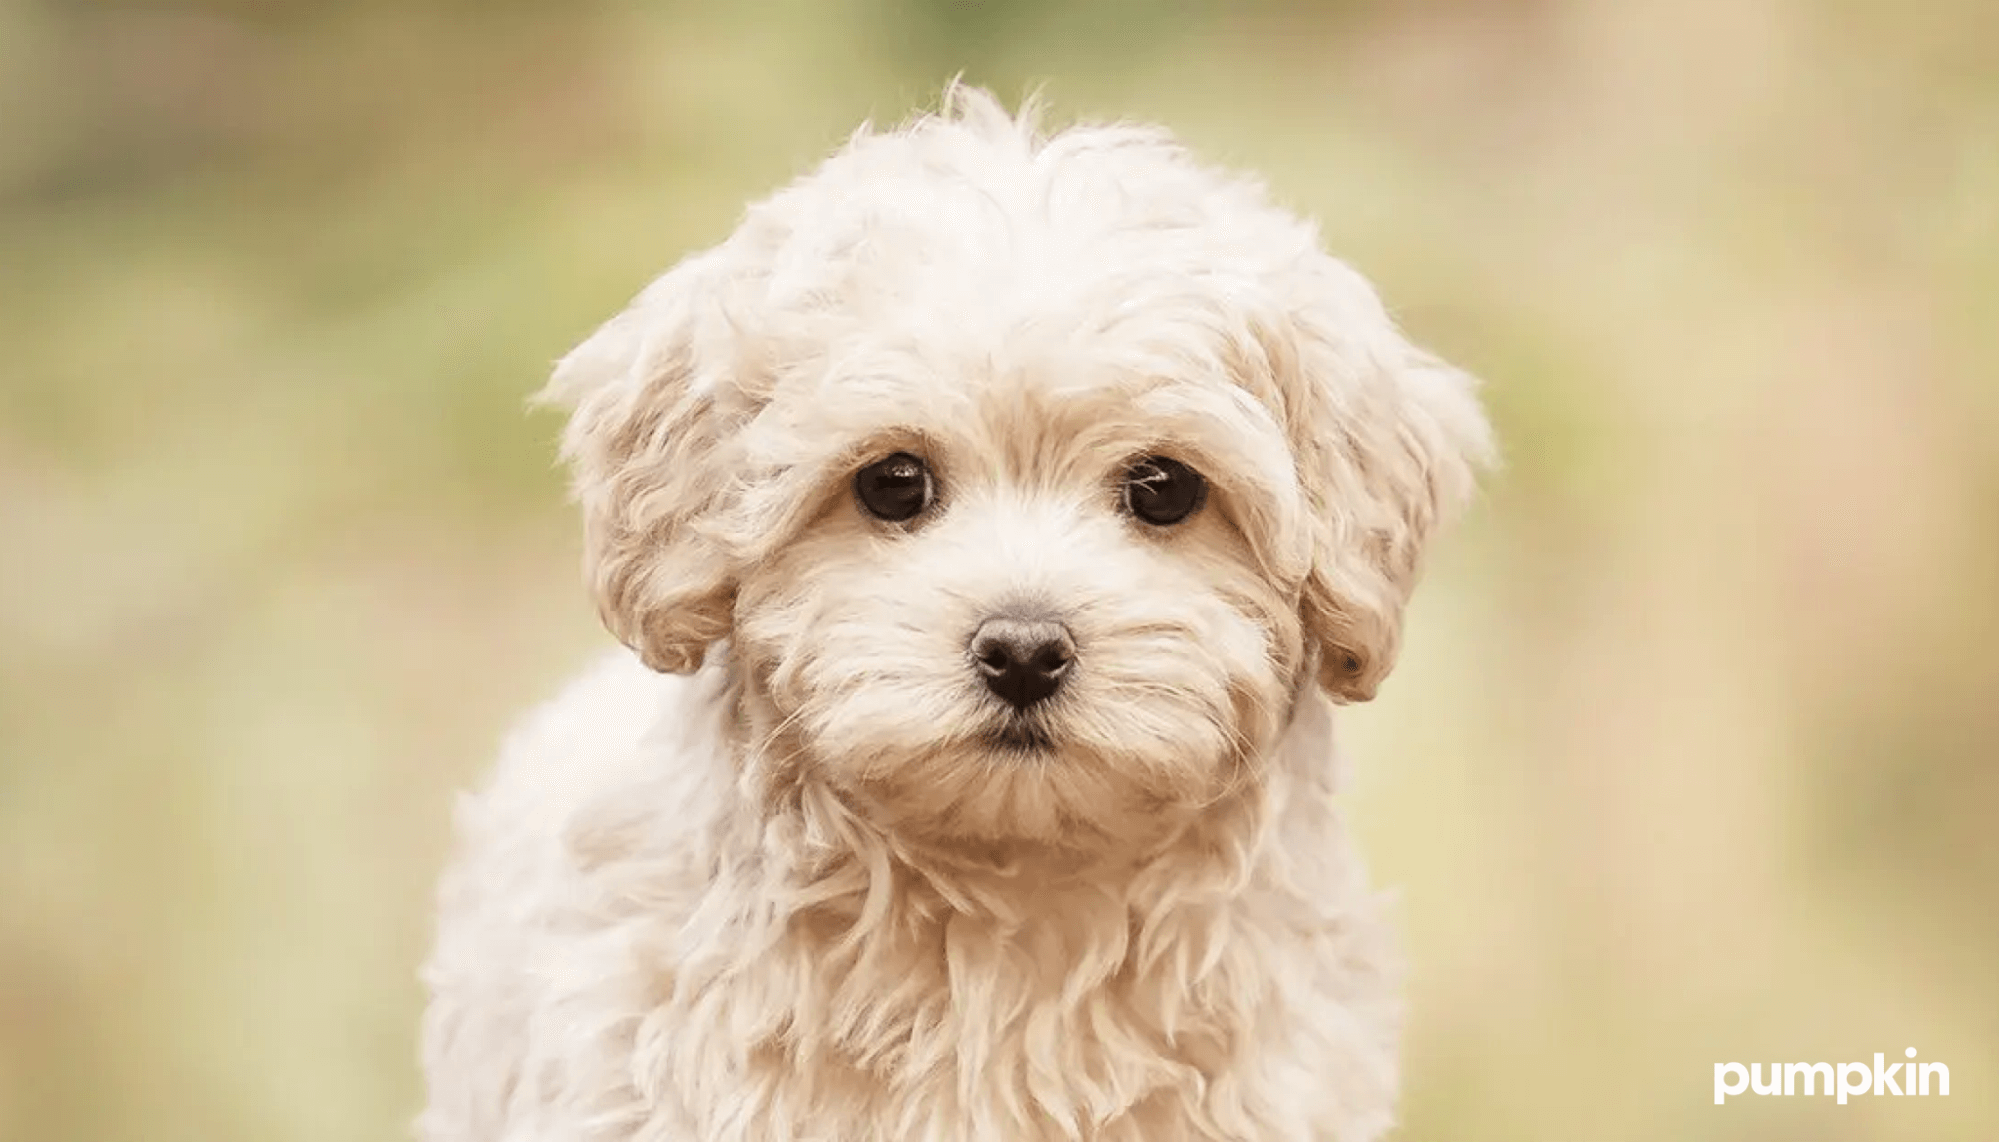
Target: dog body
[(993, 522)]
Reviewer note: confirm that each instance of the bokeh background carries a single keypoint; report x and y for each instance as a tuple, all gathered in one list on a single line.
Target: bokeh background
[(1694, 754)]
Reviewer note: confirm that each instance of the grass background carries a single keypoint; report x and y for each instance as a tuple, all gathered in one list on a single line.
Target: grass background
[(1694, 754)]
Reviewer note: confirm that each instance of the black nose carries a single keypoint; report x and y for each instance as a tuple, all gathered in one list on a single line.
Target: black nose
[(1023, 660)]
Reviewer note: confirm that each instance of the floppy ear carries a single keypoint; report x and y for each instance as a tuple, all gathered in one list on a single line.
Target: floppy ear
[(1389, 441), (646, 444)]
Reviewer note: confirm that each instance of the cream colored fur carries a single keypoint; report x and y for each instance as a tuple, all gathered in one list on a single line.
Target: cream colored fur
[(762, 876)]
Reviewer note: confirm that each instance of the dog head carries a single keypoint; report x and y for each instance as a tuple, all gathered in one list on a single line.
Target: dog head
[(1027, 476)]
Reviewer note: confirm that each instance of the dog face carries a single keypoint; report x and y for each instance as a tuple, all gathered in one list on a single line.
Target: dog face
[(1027, 476)]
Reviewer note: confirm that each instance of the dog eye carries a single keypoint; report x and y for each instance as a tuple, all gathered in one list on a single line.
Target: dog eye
[(1161, 490), (895, 488)]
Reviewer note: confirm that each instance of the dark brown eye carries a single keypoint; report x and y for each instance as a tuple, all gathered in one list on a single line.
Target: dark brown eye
[(1161, 490), (895, 488)]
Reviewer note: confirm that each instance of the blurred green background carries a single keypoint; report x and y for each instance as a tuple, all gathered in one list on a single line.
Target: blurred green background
[(1694, 754)]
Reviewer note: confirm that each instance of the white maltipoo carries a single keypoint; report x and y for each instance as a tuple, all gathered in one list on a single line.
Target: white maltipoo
[(993, 522)]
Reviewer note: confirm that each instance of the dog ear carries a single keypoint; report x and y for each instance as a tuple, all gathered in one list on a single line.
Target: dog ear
[(645, 445), (1389, 441)]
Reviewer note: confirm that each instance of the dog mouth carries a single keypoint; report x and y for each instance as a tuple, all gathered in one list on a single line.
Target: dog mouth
[(1021, 737)]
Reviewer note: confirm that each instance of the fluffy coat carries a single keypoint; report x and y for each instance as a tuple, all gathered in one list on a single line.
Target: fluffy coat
[(765, 872)]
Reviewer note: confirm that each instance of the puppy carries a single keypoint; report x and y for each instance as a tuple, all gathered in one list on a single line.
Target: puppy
[(991, 523)]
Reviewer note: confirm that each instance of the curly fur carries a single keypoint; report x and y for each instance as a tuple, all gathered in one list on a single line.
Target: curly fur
[(766, 875)]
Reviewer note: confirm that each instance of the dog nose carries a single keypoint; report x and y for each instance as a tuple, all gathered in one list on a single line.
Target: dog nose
[(1023, 660)]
